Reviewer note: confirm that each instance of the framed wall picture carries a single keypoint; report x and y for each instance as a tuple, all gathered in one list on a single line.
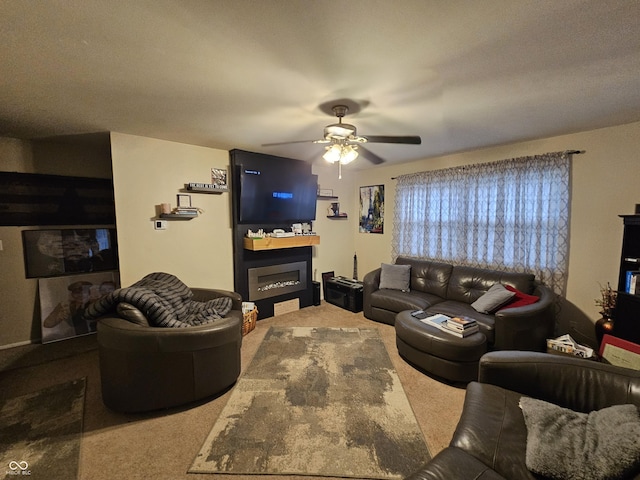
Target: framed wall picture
[(64, 299), (50, 253), (622, 353), (184, 200), (372, 209), (219, 177)]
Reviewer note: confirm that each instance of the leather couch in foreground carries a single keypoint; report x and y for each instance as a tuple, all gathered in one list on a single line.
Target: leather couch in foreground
[(145, 368), (490, 440), (443, 288)]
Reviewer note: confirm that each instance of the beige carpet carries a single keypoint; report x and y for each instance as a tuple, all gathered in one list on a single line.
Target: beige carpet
[(162, 445), (317, 401)]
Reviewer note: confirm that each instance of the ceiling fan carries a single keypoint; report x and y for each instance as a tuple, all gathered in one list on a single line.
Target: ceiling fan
[(344, 144)]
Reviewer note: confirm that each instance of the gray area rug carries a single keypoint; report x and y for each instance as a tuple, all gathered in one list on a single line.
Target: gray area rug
[(317, 401), (40, 432)]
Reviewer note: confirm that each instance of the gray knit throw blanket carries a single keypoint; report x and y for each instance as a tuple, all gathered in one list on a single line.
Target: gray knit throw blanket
[(164, 300)]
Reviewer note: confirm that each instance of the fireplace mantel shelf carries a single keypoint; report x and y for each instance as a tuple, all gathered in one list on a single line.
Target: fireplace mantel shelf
[(275, 243)]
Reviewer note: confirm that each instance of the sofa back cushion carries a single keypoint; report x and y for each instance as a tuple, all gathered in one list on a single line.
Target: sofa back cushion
[(467, 284), (427, 276)]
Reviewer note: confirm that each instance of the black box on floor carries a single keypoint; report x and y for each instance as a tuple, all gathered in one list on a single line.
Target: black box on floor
[(316, 293), (345, 293)]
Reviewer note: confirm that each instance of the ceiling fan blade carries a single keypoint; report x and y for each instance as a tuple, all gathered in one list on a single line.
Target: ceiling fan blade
[(287, 143), (408, 139), (369, 155)]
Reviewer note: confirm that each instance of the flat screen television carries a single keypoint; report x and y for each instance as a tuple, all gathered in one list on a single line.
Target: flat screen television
[(276, 196)]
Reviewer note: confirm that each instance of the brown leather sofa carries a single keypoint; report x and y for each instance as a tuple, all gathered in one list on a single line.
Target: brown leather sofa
[(145, 368), (490, 440), (443, 288)]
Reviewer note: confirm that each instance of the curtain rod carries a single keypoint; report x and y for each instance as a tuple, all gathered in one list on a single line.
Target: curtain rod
[(568, 152)]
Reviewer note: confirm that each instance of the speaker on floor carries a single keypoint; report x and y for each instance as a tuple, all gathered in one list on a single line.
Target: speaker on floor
[(316, 293)]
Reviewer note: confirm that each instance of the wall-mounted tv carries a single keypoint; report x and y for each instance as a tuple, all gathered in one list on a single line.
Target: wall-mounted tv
[(272, 195)]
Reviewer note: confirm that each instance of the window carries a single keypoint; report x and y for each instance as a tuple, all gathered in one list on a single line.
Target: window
[(509, 215)]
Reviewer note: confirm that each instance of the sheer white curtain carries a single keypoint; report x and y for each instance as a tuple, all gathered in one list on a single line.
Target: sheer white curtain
[(510, 215)]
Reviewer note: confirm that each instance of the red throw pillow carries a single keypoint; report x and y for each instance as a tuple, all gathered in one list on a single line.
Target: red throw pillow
[(520, 299)]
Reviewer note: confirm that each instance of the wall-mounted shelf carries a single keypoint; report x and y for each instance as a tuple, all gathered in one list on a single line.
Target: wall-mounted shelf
[(334, 217), (327, 197), (177, 216), (274, 243)]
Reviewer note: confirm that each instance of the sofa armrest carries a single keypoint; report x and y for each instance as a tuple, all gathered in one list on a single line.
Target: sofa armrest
[(527, 327), (204, 294), (575, 383), (370, 283), (119, 334)]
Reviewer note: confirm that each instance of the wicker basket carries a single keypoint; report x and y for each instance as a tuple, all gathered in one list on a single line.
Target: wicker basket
[(249, 320)]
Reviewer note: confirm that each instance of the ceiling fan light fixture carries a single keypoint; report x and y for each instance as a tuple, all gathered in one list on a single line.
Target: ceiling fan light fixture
[(340, 153), (339, 131)]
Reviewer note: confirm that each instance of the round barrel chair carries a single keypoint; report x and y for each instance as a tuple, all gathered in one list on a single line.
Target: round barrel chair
[(145, 367)]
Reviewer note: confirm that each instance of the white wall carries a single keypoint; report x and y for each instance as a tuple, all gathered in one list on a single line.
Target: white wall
[(148, 172), (336, 249), (605, 183)]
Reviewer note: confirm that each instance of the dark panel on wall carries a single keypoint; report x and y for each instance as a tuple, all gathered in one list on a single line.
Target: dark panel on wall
[(245, 259), (37, 199)]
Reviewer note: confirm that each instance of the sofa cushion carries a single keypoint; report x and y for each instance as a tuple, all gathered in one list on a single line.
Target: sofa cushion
[(395, 277), (520, 299), (427, 276), (493, 299), (565, 444), (467, 284), (397, 300)]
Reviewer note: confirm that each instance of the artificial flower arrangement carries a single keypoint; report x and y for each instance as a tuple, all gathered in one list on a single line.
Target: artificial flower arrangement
[(607, 303)]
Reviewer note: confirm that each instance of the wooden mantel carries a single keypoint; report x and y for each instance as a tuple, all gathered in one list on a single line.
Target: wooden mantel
[(274, 243)]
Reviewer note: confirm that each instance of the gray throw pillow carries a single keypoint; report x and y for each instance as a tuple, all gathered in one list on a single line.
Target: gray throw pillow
[(493, 299), (395, 277), (568, 445)]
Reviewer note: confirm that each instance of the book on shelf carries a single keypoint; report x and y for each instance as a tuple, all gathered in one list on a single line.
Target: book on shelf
[(632, 283), (185, 211)]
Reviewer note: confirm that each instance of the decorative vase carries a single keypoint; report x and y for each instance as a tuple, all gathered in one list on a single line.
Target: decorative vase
[(603, 325)]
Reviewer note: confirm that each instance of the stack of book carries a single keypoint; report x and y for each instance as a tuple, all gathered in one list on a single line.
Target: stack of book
[(462, 326), (458, 326), (187, 211)]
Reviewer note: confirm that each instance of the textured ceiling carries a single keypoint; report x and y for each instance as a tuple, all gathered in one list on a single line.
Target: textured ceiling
[(239, 73)]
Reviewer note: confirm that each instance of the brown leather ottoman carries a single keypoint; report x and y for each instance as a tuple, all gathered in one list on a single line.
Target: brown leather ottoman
[(437, 352)]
